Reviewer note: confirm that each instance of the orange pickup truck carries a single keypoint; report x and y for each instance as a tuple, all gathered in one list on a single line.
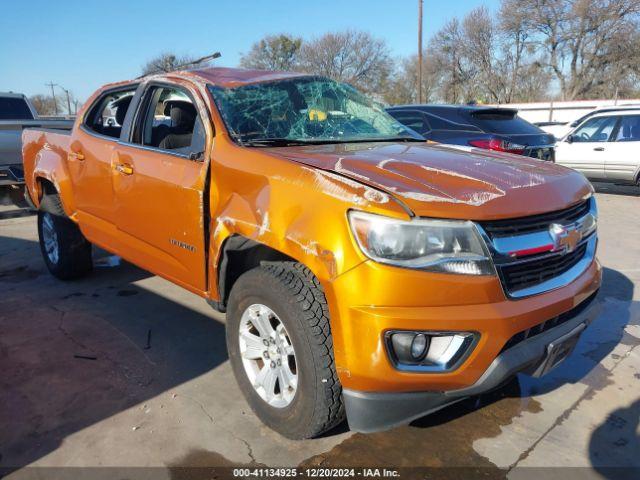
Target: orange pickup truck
[(364, 273)]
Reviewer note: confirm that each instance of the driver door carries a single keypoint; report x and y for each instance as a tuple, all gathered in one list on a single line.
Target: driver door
[(584, 150)]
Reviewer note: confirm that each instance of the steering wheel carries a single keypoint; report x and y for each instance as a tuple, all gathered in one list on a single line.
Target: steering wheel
[(584, 136)]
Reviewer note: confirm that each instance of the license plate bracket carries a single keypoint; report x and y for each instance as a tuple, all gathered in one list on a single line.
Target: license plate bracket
[(558, 350)]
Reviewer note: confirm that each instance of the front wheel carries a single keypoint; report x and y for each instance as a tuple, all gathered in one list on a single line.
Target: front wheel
[(281, 351), (66, 253)]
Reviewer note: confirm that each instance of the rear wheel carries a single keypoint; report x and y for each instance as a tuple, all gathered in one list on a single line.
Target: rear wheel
[(66, 253), (281, 351)]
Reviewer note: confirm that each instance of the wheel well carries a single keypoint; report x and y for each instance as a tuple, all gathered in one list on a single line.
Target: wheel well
[(239, 255), (46, 186)]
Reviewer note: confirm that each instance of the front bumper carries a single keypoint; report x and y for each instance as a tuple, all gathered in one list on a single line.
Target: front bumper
[(367, 412)]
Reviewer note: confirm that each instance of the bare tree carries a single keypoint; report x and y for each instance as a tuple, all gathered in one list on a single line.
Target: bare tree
[(449, 52), (402, 86), (581, 39), (45, 104), (165, 62), (351, 56), (503, 64), (273, 52)]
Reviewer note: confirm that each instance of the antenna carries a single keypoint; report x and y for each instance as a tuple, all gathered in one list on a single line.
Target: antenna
[(197, 61), (183, 66)]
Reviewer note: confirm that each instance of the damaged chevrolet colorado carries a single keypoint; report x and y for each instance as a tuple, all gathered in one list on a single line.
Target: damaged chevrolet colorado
[(364, 273)]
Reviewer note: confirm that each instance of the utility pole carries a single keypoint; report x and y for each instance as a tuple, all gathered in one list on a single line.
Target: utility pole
[(68, 99), (53, 94), (419, 51)]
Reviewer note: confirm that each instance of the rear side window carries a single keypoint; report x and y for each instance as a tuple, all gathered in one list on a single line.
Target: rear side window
[(439, 123), (12, 108), (413, 119), (169, 120), (629, 130), (506, 122), (108, 112)]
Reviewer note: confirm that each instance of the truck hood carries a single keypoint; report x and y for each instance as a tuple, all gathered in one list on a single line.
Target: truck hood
[(434, 180)]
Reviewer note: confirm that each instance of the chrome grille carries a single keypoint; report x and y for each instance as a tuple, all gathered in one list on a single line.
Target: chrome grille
[(527, 274), (534, 223), (536, 265)]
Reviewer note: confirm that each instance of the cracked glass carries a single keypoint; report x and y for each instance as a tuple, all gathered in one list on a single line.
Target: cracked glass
[(304, 110)]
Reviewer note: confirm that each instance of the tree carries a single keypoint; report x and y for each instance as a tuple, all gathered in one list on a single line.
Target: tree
[(165, 62), (401, 87), (351, 56), (448, 50), (45, 104), (273, 52), (584, 41)]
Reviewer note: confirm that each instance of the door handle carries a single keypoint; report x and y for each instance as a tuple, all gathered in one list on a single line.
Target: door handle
[(124, 168), (76, 155), (599, 149)]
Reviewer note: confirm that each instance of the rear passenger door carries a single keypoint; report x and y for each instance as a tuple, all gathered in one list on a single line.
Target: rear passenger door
[(159, 175), (89, 161), (622, 154)]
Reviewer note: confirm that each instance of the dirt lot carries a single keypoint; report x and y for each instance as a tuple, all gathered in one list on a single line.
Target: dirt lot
[(124, 369)]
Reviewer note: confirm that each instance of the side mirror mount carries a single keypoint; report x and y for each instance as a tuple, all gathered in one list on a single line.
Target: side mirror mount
[(569, 139)]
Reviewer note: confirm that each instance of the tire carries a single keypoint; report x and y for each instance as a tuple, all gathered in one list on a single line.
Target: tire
[(295, 298), (66, 253)]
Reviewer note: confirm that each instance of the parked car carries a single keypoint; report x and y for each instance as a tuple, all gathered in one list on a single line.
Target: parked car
[(605, 147), (562, 129), (363, 271), (17, 113), (498, 129)]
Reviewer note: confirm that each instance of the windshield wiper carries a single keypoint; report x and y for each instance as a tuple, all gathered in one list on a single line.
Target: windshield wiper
[(397, 139), (286, 142), (273, 142)]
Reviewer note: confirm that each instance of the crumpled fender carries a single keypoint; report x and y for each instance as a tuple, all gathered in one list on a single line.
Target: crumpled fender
[(297, 210), (44, 155)]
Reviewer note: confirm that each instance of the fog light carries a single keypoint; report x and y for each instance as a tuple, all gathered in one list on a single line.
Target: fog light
[(419, 346), (429, 351)]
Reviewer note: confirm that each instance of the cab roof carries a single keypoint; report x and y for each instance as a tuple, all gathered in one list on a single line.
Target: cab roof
[(236, 77)]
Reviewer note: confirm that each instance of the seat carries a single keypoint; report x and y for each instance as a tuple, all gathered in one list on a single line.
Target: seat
[(183, 117), (121, 106)]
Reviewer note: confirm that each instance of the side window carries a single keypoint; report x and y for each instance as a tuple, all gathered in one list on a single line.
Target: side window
[(169, 120), (629, 130), (439, 123), (412, 119), (596, 129), (108, 112)]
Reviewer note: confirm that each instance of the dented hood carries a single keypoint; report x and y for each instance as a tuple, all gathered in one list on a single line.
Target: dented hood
[(450, 181)]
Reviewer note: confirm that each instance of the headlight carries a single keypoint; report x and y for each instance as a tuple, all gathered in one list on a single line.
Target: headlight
[(434, 245)]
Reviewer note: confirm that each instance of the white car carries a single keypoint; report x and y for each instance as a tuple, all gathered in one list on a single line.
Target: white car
[(605, 147)]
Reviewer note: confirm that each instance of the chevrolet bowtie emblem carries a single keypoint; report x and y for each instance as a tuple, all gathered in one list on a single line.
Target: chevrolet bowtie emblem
[(565, 237)]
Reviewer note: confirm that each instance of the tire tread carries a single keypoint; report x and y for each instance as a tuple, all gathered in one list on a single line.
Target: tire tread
[(309, 295)]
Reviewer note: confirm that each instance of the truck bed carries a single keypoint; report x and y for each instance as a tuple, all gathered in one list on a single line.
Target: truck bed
[(11, 144)]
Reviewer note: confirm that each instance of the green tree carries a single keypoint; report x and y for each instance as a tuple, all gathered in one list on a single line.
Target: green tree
[(273, 52)]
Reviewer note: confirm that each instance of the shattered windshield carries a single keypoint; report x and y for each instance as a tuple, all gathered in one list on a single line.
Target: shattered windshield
[(305, 110)]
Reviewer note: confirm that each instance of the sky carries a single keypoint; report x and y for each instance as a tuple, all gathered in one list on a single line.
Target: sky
[(83, 44)]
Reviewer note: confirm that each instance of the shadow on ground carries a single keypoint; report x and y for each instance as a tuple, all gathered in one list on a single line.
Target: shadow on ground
[(76, 353), (613, 189)]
